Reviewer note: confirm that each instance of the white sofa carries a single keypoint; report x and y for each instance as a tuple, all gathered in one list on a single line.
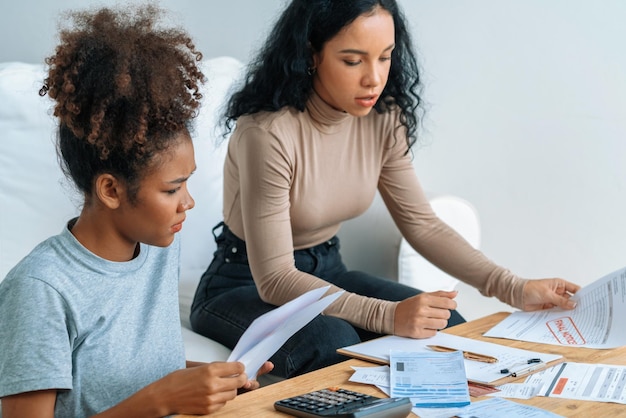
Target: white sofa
[(37, 200)]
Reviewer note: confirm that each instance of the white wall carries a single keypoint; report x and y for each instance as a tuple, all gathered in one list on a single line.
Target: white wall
[(526, 102), (28, 28)]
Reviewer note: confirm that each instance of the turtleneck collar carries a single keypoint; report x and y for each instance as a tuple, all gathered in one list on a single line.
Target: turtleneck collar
[(324, 117)]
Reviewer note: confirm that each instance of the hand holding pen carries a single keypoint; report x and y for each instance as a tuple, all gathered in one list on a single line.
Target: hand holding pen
[(421, 316)]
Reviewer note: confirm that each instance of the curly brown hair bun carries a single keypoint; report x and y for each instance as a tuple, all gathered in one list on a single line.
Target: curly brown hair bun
[(123, 87)]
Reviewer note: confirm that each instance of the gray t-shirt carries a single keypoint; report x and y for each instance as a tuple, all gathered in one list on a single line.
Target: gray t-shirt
[(96, 330)]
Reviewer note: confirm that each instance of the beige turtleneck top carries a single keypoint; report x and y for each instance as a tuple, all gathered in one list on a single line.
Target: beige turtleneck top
[(291, 178)]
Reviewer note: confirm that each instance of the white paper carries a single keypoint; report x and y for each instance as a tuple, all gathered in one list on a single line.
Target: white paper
[(270, 331), (530, 388), (596, 322), (510, 409), (498, 408), (431, 380), (587, 382), (486, 373), (579, 381), (424, 412), (377, 376), (516, 391)]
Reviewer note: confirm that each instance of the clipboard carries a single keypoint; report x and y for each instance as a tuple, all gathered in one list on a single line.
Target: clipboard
[(488, 374)]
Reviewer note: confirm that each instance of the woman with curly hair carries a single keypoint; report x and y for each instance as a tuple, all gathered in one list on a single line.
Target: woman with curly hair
[(327, 116), (90, 318)]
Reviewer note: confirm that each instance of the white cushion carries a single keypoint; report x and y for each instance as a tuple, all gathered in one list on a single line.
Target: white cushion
[(205, 185), (199, 348), (414, 270), (37, 199)]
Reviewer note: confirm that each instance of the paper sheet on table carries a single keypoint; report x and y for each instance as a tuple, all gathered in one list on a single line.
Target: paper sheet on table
[(587, 382), (486, 373), (420, 412), (529, 388), (431, 380), (270, 331), (578, 381), (596, 322), (498, 407), (377, 376), (491, 408)]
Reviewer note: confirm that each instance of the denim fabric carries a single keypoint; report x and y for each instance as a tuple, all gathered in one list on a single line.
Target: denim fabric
[(227, 301)]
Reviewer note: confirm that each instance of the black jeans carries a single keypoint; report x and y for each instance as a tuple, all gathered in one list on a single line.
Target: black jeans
[(226, 302)]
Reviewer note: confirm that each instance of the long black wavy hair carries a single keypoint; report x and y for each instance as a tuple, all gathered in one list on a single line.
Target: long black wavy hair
[(279, 75)]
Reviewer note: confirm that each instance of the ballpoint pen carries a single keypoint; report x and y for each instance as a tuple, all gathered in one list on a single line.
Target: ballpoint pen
[(535, 364), (466, 354), (527, 370)]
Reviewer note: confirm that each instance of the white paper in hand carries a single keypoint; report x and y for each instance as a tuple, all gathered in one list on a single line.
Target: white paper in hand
[(270, 331)]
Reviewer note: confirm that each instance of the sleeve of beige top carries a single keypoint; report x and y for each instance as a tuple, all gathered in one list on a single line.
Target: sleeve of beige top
[(437, 241), (265, 171)]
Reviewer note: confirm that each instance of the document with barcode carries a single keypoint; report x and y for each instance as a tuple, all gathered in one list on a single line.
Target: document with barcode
[(431, 380)]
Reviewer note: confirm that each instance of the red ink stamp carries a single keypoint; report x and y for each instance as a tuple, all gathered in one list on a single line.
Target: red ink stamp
[(565, 331)]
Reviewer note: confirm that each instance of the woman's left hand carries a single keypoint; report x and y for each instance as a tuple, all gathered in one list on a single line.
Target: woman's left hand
[(548, 293), (267, 367)]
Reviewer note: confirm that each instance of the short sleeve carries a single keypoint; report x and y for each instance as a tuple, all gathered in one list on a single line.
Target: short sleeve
[(35, 339)]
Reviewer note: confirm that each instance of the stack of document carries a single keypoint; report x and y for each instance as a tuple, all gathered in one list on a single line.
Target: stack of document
[(511, 363)]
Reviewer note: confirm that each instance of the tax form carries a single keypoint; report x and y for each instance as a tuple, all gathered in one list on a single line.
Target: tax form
[(594, 323)]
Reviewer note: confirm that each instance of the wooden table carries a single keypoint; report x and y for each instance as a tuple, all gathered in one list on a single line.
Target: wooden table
[(260, 403)]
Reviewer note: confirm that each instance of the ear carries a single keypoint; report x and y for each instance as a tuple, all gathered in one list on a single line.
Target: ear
[(315, 57), (108, 190)]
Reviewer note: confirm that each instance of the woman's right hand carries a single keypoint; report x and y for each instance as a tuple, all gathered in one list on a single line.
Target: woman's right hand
[(422, 315), (198, 390), (202, 389)]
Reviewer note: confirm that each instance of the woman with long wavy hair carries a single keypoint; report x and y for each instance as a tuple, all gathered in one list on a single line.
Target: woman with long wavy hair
[(326, 116)]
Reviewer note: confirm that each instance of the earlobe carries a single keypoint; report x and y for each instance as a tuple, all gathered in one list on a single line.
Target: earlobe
[(315, 59), (108, 190)]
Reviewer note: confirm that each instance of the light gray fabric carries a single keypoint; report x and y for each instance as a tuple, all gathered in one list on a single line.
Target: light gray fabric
[(100, 329)]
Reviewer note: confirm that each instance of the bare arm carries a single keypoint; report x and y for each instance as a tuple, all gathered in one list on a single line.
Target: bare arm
[(197, 390), (200, 389), (30, 404)]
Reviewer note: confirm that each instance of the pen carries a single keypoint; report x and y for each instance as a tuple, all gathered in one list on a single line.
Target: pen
[(533, 361), (527, 370), (467, 354)]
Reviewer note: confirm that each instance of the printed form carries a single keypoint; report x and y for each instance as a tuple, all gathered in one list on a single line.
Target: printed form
[(581, 381), (594, 323)]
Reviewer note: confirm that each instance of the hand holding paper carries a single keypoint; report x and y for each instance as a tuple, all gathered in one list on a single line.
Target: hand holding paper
[(594, 323), (269, 332)]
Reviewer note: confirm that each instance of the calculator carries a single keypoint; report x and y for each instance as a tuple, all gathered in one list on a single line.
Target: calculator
[(336, 402)]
